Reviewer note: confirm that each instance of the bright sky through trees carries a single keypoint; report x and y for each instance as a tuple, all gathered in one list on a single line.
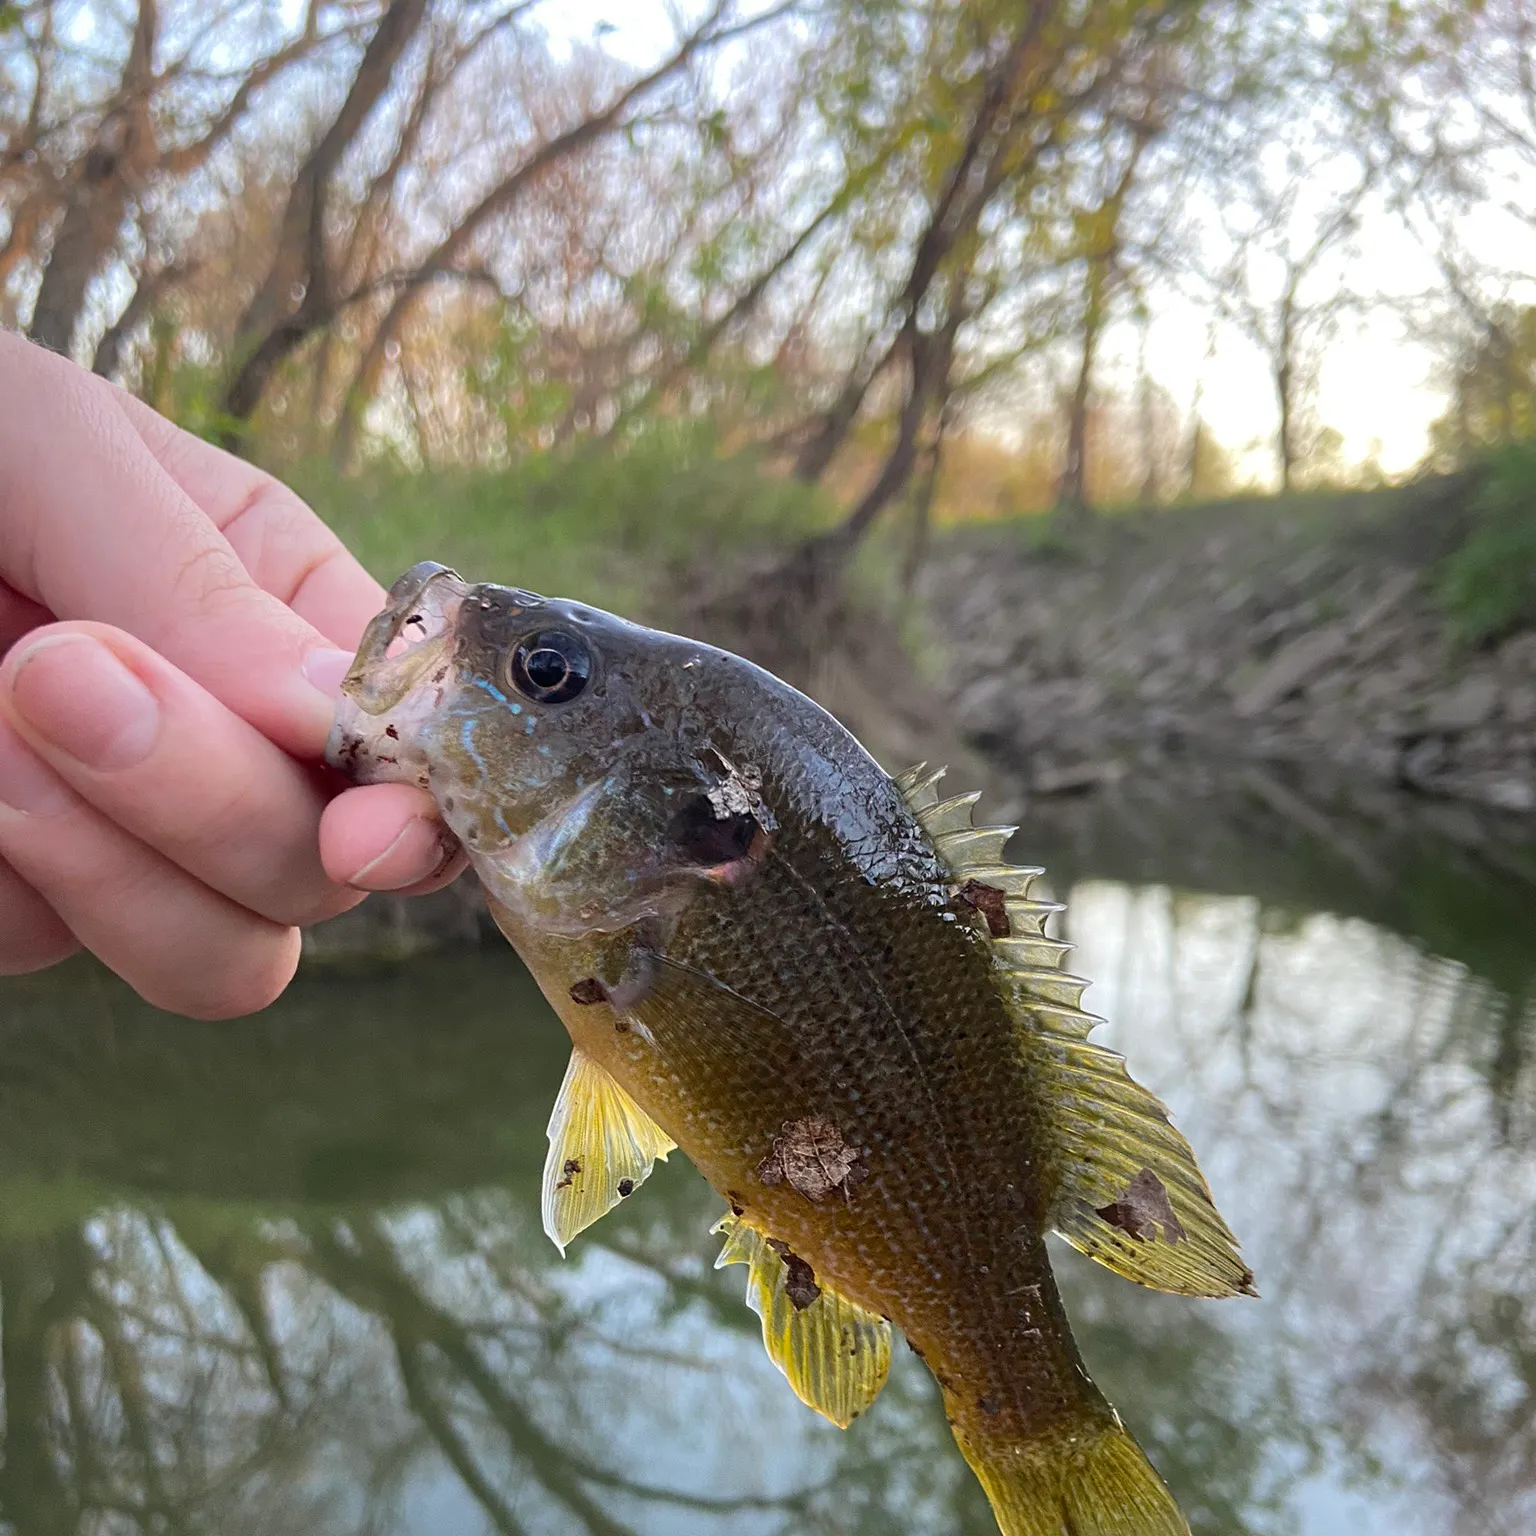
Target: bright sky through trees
[(1378, 386)]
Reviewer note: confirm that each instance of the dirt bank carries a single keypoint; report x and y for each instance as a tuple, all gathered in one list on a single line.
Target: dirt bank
[(1302, 632)]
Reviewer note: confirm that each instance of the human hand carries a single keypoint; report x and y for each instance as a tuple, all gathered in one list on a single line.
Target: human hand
[(172, 625)]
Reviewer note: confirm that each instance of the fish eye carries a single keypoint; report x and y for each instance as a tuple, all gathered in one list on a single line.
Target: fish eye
[(550, 667)]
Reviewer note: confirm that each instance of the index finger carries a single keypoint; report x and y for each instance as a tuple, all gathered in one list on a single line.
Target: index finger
[(288, 551), (93, 525)]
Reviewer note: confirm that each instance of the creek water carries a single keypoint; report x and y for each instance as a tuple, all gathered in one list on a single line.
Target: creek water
[(286, 1275)]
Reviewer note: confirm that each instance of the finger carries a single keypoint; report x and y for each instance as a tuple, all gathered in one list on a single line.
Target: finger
[(17, 615), (388, 837), (92, 526), (179, 945), (288, 551), (162, 758), (32, 936)]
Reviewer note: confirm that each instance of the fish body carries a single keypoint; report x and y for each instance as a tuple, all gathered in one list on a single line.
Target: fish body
[(822, 984)]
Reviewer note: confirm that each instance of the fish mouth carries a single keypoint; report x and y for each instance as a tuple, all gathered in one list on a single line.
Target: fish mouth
[(413, 634)]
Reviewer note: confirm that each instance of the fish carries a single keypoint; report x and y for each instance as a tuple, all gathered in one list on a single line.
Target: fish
[(826, 986)]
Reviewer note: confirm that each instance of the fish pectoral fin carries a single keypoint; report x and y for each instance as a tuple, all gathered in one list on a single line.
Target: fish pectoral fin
[(1131, 1194), (688, 1013), (602, 1147), (834, 1353)]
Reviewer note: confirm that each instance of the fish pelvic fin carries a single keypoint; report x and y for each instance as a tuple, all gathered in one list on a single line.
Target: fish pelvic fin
[(1129, 1192), (833, 1352), (1093, 1482), (602, 1147)]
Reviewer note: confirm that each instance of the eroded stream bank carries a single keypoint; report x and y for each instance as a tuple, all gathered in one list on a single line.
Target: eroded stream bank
[(1302, 634)]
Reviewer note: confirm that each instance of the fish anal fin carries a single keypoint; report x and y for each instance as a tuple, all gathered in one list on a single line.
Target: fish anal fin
[(602, 1147), (834, 1353), (1129, 1193)]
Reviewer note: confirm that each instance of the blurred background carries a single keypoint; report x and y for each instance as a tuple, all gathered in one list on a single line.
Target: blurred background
[(1131, 404)]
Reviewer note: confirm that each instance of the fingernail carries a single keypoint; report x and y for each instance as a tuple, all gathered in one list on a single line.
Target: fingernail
[(416, 851), (81, 699), (325, 670), (27, 784)]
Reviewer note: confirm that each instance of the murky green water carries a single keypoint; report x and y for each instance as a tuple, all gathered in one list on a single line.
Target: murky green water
[(286, 1275)]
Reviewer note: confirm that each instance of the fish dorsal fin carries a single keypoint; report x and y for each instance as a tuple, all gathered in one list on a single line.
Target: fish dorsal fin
[(833, 1352), (1130, 1193), (602, 1147)]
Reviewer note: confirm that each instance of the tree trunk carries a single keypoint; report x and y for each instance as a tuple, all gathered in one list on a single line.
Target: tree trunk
[(1151, 486), (105, 181), (953, 215), (1072, 489), (275, 322), (922, 508), (1284, 393)]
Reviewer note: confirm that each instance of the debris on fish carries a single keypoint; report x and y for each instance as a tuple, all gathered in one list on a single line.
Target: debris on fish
[(830, 990)]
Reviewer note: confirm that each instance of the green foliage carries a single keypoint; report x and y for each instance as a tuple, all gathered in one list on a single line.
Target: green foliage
[(612, 527), (1493, 390), (1488, 584)]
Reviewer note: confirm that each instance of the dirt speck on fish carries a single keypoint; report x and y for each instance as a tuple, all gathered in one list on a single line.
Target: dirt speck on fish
[(829, 988), (810, 1155)]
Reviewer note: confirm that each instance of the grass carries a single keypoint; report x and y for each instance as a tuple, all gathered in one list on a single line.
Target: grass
[(613, 529), (1487, 584)]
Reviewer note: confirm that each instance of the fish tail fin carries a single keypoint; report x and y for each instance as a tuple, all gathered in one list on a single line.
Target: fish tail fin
[(1094, 1482)]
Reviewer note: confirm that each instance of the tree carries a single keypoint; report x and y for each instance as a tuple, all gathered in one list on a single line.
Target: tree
[(1278, 285), (92, 150), (1492, 386)]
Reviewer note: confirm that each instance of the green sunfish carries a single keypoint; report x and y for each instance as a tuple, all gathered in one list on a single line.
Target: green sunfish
[(829, 990)]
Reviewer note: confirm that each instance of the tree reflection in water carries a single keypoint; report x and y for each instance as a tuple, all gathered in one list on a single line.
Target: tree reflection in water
[(287, 1275)]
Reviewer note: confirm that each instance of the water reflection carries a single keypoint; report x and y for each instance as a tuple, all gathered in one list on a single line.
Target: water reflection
[(287, 1275)]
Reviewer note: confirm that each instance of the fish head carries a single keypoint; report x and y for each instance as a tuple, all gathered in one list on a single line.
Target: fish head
[(588, 764)]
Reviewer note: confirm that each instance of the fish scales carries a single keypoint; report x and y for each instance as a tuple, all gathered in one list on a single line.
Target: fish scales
[(764, 957), (919, 1073)]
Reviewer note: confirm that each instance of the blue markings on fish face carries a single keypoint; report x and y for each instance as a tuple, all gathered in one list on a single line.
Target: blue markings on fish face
[(496, 693), (467, 728)]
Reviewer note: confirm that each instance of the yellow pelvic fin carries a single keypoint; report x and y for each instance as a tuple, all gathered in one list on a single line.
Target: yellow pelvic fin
[(602, 1147), (1092, 1482), (835, 1354), (1129, 1191)]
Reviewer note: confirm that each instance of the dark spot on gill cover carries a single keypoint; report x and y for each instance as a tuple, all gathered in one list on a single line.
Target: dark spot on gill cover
[(587, 991), (800, 1284), (991, 902), (704, 837), (1142, 1208)]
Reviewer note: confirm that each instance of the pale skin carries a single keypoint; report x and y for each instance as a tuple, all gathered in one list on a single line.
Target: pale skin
[(173, 627)]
